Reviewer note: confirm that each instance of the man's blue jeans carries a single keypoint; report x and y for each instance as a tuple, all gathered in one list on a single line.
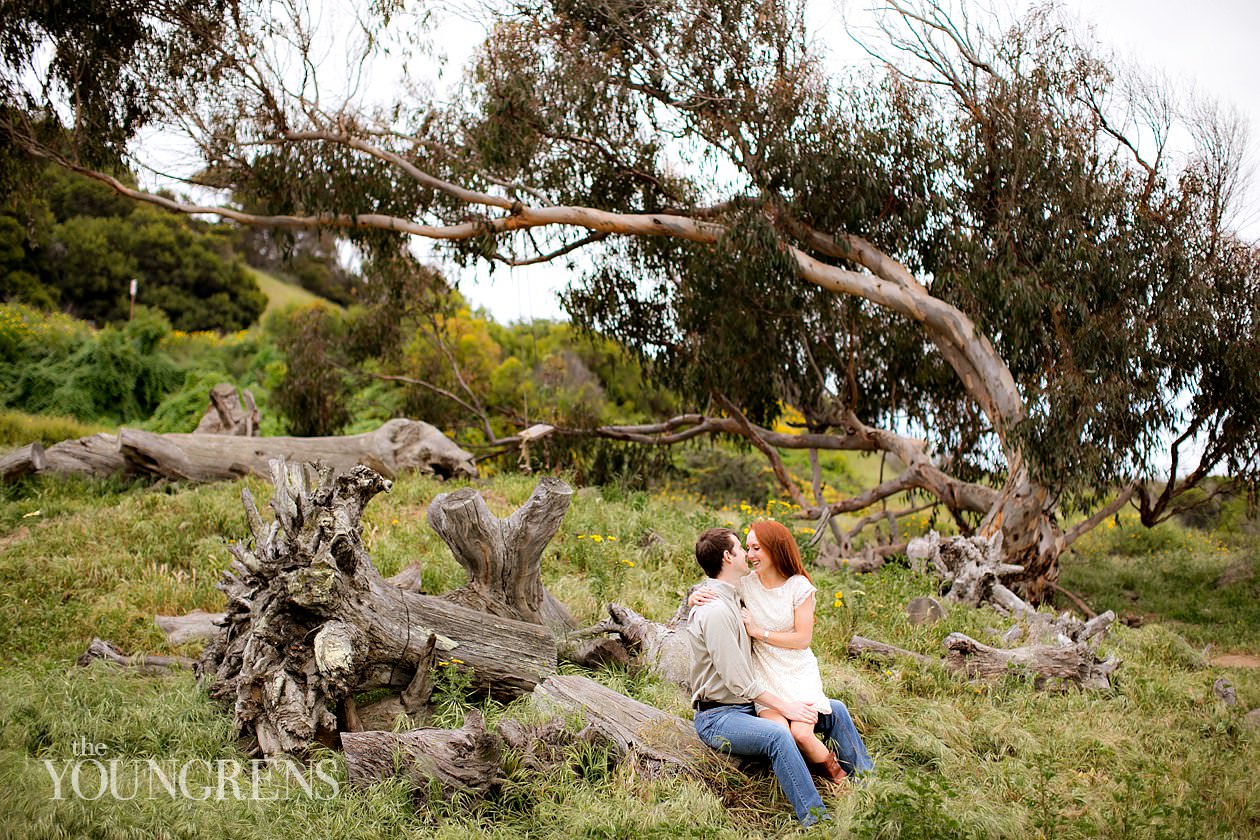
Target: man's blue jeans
[(737, 730)]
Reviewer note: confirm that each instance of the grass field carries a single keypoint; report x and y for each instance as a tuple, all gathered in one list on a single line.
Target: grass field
[(1157, 757)]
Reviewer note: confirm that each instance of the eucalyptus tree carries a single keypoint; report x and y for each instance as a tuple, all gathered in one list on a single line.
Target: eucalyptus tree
[(982, 256)]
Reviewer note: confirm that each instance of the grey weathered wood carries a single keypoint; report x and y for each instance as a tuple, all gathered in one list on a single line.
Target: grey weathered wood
[(459, 760), (310, 620), (109, 653), (1075, 663), (657, 741), (397, 446), (22, 461), (503, 557), (231, 412), (859, 645), (194, 626), (662, 648)]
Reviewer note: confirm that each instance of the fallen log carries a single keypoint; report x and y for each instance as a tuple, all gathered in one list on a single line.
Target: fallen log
[(99, 650), (656, 741), (310, 620), (397, 446), (465, 760), (859, 645), (1074, 663), (22, 461)]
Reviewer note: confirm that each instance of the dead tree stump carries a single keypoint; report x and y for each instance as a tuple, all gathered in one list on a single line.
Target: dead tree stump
[(503, 557), (231, 412), (310, 620)]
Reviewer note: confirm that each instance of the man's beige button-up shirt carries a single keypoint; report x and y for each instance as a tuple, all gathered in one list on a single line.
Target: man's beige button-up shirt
[(721, 667)]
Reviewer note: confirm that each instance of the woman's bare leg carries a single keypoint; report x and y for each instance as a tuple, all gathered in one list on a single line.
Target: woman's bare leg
[(812, 749)]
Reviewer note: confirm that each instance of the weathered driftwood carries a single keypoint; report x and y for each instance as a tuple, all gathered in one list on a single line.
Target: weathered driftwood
[(1074, 663), (22, 461), (194, 626), (503, 557), (654, 740), (462, 760), (397, 446), (859, 645), (231, 412), (310, 620), (109, 653), (972, 568), (662, 648)]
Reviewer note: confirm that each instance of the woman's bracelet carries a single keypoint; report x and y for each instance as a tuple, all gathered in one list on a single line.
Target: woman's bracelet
[(765, 635)]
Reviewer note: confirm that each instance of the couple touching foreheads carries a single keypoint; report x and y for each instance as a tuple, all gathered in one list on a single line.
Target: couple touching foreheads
[(757, 690)]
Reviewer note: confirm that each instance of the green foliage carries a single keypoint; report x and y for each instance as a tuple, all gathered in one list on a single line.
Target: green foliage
[(314, 392), (104, 58), (83, 244), (112, 376)]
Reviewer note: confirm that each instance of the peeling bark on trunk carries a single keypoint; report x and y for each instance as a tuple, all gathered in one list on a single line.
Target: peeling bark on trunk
[(1031, 536)]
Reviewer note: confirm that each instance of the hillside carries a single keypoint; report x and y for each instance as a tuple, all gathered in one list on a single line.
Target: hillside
[(281, 293)]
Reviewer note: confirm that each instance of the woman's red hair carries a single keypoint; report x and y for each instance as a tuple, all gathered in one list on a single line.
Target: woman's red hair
[(780, 546)]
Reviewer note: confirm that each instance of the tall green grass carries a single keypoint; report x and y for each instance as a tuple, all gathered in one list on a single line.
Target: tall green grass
[(1158, 756)]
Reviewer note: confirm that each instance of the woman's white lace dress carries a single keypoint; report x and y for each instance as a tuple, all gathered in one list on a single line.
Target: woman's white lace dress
[(791, 674)]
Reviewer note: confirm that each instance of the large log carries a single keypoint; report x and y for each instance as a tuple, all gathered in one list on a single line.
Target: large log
[(654, 740), (22, 461), (310, 620), (1074, 663), (397, 446)]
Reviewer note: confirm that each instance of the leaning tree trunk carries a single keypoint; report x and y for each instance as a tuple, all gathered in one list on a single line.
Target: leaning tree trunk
[(310, 621), (1031, 536)]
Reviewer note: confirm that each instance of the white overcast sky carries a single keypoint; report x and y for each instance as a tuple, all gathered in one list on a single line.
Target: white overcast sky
[(1212, 46)]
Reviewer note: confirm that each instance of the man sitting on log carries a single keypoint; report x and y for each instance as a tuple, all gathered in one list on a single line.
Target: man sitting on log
[(725, 687)]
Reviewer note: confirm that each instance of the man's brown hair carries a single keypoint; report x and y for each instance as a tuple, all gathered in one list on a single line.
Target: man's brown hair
[(710, 548)]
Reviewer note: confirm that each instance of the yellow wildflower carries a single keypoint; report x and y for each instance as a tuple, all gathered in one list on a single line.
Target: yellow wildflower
[(597, 538)]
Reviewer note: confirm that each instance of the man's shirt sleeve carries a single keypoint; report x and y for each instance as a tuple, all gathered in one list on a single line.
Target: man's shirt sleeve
[(723, 638)]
